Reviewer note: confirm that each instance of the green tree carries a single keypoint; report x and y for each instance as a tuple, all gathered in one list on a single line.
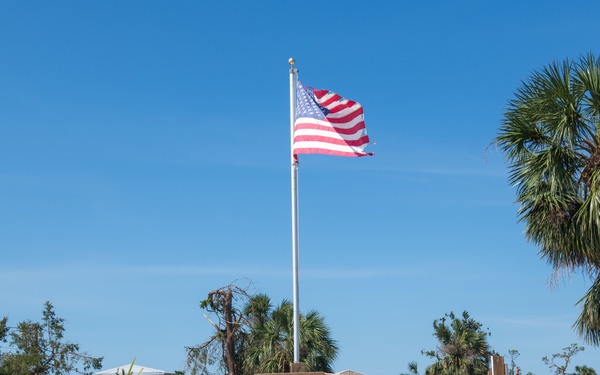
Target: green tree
[(251, 337), (3, 334), (550, 135), (513, 354), (413, 369), (270, 344), (39, 349), (554, 362), (584, 370), (463, 348), (3, 329)]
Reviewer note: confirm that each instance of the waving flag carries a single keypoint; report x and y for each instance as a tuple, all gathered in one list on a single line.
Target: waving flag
[(326, 123)]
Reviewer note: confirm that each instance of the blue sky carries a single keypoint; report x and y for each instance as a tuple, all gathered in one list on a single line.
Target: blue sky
[(144, 161)]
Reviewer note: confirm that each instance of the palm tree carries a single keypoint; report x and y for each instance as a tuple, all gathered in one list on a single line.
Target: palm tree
[(584, 370), (550, 135), (270, 341), (462, 349), (413, 369)]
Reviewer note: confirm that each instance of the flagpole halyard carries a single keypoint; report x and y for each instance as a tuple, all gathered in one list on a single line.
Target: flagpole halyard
[(295, 242)]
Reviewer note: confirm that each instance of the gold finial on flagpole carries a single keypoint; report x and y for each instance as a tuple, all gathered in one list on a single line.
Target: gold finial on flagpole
[(292, 61)]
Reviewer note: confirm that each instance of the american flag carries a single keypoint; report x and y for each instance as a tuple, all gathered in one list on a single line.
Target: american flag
[(326, 123)]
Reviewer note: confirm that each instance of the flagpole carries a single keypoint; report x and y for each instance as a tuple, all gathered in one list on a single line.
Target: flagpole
[(295, 251)]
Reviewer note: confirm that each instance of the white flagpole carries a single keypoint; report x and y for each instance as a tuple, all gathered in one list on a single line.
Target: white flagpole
[(293, 79)]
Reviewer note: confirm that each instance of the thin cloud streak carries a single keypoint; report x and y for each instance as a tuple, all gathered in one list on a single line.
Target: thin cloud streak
[(272, 271)]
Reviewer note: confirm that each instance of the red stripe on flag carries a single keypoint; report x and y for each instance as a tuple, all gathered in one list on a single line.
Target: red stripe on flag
[(315, 150), (353, 130), (321, 93), (341, 132), (349, 117), (342, 107), (334, 141)]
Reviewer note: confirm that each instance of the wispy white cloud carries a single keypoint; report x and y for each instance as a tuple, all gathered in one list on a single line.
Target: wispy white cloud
[(107, 270), (63, 272)]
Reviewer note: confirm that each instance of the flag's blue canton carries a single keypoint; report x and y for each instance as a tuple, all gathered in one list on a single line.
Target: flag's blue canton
[(307, 105)]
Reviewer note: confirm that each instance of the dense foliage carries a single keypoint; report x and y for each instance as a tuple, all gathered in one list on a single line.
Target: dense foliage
[(270, 342), (39, 349), (463, 348), (550, 135), (250, 336)]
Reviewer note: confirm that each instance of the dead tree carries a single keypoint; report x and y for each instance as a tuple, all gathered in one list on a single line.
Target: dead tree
[(229, 322)]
